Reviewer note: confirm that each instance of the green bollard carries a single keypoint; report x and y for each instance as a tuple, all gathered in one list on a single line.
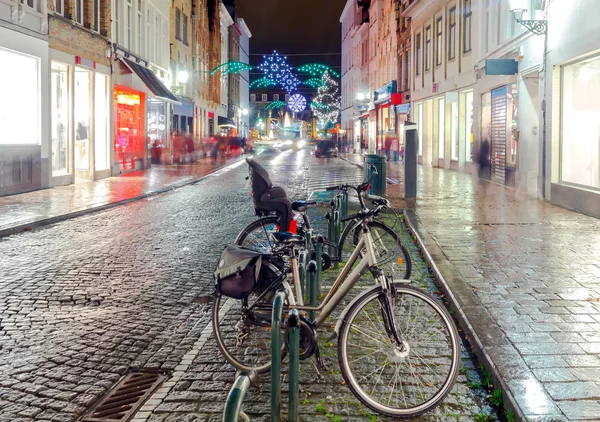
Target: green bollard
[(319, 256), (294, 373), (276, 357), (337, 226), (312, 288), (344, 205)]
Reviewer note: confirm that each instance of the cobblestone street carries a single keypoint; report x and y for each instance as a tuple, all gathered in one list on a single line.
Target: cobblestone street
[(89, 299)]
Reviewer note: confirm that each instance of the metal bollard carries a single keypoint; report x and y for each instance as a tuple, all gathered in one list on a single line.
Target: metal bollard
[(276, 357), (294, 374), (319, 256), (344, 205), (312, 287)]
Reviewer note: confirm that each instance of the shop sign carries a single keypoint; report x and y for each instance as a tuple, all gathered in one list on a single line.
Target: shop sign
[(501, 67), (434, 88), (385, 91), (90, 64), (403, 108), (211, 115)]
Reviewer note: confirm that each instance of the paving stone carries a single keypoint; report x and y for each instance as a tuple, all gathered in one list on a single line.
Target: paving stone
[(580, 409), (554, 375), (573, 390)]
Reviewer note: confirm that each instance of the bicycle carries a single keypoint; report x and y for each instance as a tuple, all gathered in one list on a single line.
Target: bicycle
[(377, 324), (256, 235)]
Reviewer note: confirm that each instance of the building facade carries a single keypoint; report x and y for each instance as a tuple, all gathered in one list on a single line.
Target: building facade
[(244, 78), (181, 57), (141, 75), (224, 123), (442, 78), (25, 141)]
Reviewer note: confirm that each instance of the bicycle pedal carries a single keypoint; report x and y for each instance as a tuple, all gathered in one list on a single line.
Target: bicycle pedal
[(319, 375), (325, 364)]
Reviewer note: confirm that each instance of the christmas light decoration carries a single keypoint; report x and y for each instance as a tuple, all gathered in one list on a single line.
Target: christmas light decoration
[(275, 67), (297, 103), (327, 102), (275, 105), (262, 83), (314, 82), (231, 67), (290, 82), (317, 69)]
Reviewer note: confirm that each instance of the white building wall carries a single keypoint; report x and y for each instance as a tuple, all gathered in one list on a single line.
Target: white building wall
[(226, 22), (245, 76)]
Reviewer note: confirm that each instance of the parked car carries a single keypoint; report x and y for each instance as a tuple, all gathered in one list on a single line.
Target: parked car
[(326, 148)]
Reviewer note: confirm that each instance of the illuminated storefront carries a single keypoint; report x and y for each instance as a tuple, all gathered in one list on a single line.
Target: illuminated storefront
[(129, 128)]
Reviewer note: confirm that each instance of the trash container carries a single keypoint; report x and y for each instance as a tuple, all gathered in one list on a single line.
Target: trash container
[(378, 183)]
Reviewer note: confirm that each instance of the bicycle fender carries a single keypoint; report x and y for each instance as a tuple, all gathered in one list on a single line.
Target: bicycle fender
[(342, 317)]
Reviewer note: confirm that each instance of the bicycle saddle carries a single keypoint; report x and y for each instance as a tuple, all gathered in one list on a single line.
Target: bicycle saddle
[(287, 237), (302, 206)]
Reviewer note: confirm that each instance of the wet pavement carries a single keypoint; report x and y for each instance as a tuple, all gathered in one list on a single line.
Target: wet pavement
[(31, 208), (527, 277)]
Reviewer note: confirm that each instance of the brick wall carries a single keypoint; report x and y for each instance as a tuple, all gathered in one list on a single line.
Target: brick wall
[(72, 39)]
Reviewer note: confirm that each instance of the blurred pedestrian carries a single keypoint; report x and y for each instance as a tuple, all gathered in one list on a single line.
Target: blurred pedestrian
[(388, 148), (483, 159)]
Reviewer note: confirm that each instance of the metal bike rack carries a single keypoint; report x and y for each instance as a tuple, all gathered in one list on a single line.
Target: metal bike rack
[(235, 398), (294, 352), (319, 256), (312, 287)]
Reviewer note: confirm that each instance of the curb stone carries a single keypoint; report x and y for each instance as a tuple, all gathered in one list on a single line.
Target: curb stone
[(57, 219)]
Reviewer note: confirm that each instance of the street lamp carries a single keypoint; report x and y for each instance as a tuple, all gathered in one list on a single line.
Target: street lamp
[(360, 96), (518, 7), (244, 112), (183, 76)]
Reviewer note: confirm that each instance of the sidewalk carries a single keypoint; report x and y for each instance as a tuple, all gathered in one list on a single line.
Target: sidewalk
[(524, 276), (27, 210)]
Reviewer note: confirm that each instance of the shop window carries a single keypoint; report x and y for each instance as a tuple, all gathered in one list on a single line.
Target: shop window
[(468, 15), (116, 28), (275, 97), (264, 97), (512, 131), (157, 123), (157, 28), (420, 128), (439, 46), (140, 27), (60, 121), (101, 119), (82, 119), (441, 126), (252, 97), (454, 130), (19, 117), (149, 33), (164, 59), (129, 27), (580, 132), (452, 33), (468, 127), (33, 4)]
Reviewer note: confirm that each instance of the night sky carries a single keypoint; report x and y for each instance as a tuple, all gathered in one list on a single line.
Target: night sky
[(294, 27)]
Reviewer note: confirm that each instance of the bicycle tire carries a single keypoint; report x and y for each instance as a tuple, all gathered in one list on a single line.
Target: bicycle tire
[(354, 229), (447, 326), (256, 226), (228, 354)]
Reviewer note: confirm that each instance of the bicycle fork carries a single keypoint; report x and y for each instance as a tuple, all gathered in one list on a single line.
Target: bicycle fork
[(387, 312)]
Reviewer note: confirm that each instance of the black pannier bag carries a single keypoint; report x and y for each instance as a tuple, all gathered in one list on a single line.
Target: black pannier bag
[(238, 271)]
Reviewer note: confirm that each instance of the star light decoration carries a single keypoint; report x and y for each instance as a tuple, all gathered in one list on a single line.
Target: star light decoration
[(275, 67), (297, 103)]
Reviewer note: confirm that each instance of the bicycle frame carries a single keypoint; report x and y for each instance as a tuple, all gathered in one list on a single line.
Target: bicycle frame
[(345, 281)]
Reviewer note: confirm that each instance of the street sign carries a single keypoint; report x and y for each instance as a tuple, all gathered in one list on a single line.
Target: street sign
[(501, 67)]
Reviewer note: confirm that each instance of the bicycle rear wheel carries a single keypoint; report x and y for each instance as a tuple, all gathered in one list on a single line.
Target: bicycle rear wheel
[(394, 382), (257, 235), (392, 256)]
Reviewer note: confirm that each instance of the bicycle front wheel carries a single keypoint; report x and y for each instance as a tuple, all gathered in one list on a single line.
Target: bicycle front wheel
[(394, 382)]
